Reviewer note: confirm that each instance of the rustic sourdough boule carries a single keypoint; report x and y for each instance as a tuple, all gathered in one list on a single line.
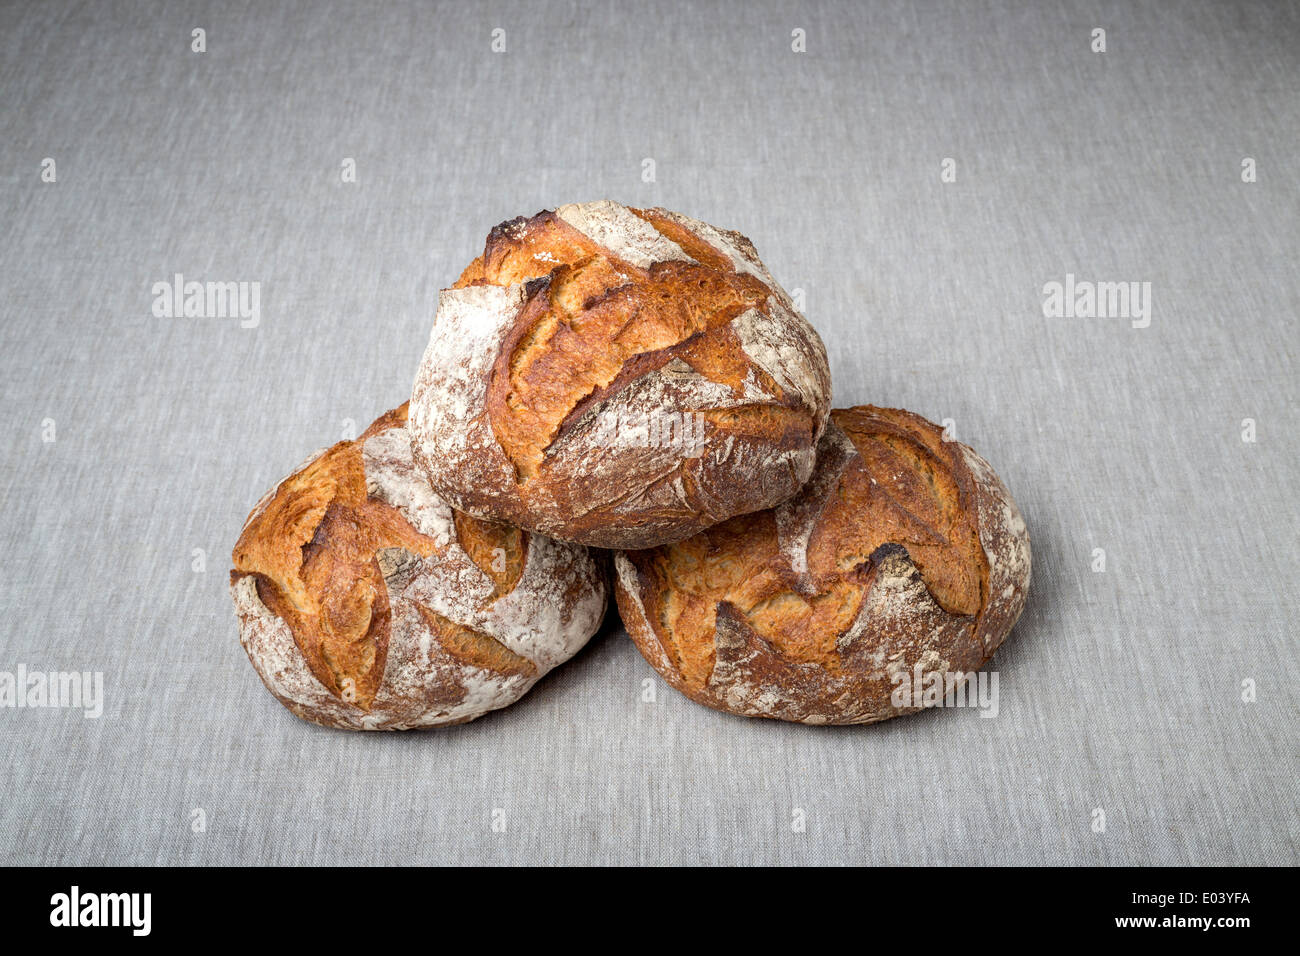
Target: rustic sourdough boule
[(365, 602), (618, 377), (902, 549)]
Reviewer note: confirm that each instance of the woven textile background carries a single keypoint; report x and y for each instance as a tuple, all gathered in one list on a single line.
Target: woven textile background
[(133, 445)]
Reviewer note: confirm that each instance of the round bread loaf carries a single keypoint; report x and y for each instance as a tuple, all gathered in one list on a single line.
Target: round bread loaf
[(903, 556), (366, 603), (618, 377)]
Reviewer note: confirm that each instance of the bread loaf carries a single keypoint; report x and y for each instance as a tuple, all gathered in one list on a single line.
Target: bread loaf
[(618, 377), (902, 550), (365, 602)]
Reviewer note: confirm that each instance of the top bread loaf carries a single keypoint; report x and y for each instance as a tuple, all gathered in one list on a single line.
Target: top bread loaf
[(618, 377)]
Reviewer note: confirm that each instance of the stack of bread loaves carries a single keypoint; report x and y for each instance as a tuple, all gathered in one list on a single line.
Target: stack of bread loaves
[(633, 380)]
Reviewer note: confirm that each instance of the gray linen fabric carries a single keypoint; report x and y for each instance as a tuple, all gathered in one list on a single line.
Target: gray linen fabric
[(1125, 694)]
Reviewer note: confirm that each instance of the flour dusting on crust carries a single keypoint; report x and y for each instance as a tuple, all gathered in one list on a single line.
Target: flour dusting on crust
[(898, 635), (551, 611), (622, 232), (390, 478), (1005, 540), (615, 490), (780, 344), (741, 252)]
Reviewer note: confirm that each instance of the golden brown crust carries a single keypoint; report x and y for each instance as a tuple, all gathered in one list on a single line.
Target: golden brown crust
[(588, 330), (910, 487), (634, 314), (313, 549), (474, 647), (498, 550), (352, 560), (810, 610)]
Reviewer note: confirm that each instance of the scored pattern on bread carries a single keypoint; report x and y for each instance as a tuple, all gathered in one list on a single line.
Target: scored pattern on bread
[(312, 547), (598, 312), (474, 647), (366, 602), (903, 548)]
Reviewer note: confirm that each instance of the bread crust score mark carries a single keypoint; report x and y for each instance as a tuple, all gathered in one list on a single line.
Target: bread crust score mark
[(902, 548), (605, 310), (352, 557)]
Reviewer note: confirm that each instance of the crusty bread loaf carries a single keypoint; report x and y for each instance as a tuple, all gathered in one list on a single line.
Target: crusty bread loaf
[(902, 550), (618, 377), (365, 602)]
